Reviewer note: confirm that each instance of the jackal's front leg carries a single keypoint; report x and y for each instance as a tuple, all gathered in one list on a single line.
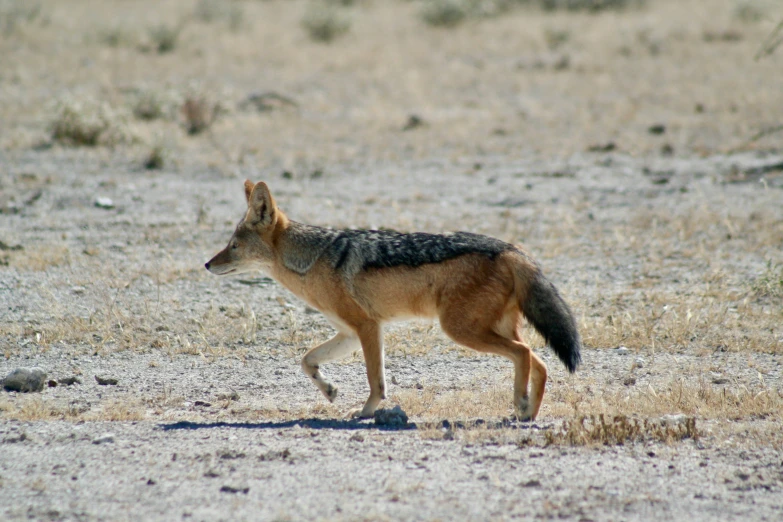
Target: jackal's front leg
[(338, 347), (372, 346)]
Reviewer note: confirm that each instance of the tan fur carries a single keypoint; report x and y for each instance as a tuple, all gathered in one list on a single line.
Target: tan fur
[(475, 298)]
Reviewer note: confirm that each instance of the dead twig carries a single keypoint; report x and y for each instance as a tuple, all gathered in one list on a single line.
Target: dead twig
[(772, 42)]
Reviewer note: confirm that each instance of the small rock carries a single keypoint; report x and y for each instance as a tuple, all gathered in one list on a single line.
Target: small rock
[(639, 362), (15, 437), (629, 381), (25, 380), (106, 203), (235, 489), (68, 381), (419, 386), (211, 473), (106, 438), (357, 437), (202, 403), (231, 454), (267, 101), (52, 383), (657, 129), (621, 350), (393, 418), (720, 380), (531, 484), (106, 381), (413, 122), (602, 147), (275, 455)]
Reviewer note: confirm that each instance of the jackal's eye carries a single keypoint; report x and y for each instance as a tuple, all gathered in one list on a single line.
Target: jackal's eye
[(234, 245)]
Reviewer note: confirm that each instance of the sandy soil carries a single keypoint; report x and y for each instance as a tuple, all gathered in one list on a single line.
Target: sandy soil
[(668, 245)]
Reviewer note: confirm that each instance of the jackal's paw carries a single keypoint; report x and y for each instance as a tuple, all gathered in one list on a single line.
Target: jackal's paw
[(523, 411), (330, 392), (359, 414)]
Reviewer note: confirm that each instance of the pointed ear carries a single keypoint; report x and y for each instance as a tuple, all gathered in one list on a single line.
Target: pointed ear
[(248, 190), (261, 205)]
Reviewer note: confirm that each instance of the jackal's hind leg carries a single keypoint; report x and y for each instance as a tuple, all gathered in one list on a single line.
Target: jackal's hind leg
[(338, 347), (487, 341), (538, 377)]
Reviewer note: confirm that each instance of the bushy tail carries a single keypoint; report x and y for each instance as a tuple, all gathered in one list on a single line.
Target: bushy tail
[(549, 314)]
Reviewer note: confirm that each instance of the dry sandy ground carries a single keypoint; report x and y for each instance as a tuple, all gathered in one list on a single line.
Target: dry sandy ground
[(669, 247)]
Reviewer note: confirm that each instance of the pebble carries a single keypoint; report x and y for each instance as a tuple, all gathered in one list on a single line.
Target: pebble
[(235, 489), (106, 438), (622, 350), (106, 203), (25, 380), (639, 362)]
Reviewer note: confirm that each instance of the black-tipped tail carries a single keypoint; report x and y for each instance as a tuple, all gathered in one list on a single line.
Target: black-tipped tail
[(552, 318)]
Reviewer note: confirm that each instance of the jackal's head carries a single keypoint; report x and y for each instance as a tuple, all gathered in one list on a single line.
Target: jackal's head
[(252, 245)]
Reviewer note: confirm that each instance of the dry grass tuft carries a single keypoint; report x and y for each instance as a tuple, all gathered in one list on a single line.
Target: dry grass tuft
[(325, 23), (156, 158), (749, 11), (770, 283), (117, 411), (593, 6), (39, 258), (88, 123), (116, 36), (693, 396), (199, 114), (35, 408), (445, 13), (164, 37), (211, 11), (155, 105), (450, 13), (621, 429), (17, 13)]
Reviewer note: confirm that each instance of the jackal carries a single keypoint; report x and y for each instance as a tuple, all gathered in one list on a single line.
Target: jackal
[(477, 286)]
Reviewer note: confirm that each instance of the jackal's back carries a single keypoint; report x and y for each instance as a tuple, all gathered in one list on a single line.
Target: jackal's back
[(367, 249)]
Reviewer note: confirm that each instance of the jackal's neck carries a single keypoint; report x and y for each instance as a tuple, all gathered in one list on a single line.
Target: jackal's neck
[(299, 246)]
